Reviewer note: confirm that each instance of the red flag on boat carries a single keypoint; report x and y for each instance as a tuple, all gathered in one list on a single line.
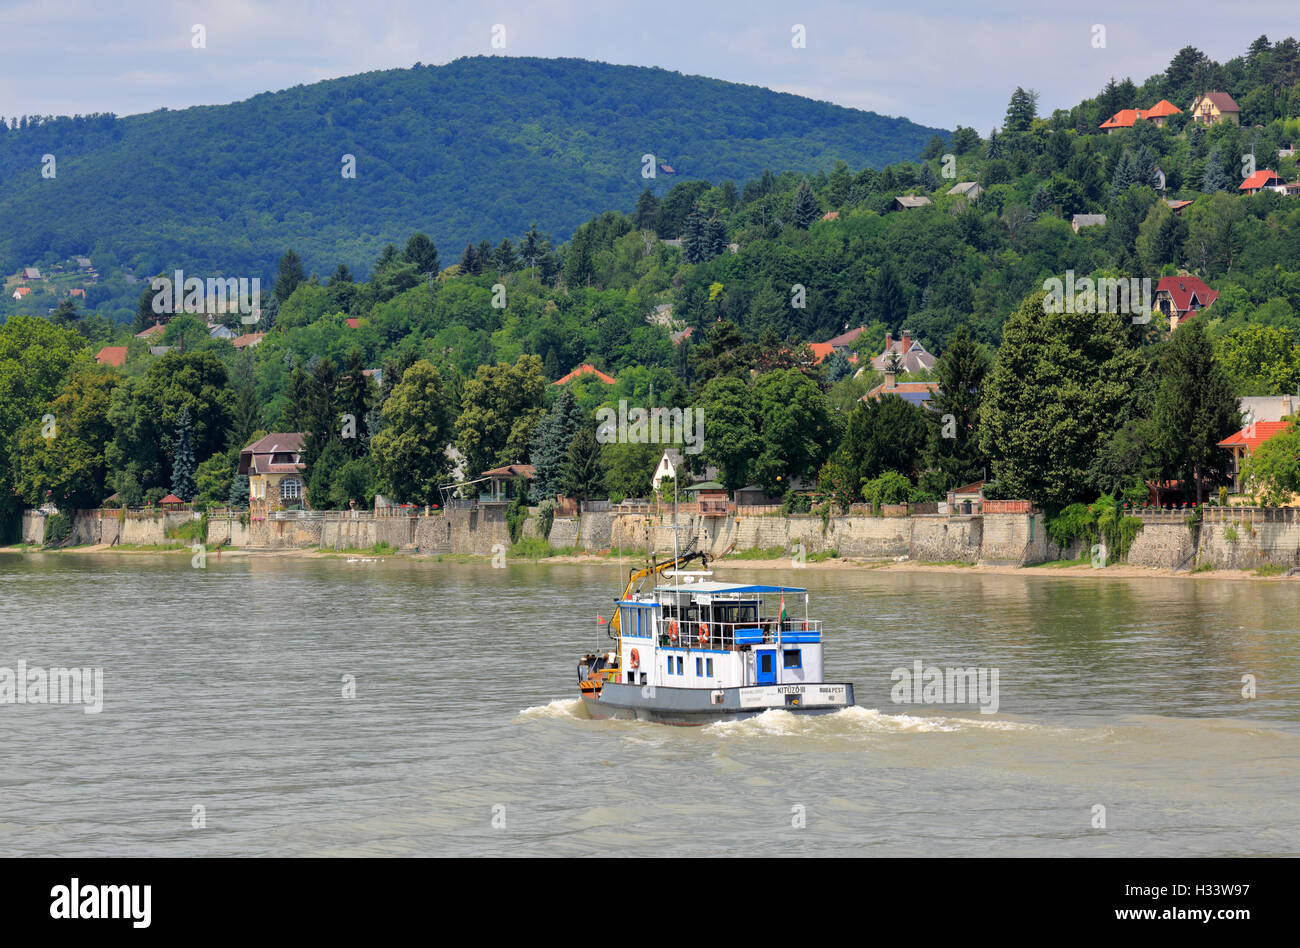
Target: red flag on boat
[(599, 620)]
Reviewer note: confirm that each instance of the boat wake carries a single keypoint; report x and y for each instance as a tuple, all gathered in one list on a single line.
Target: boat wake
[(570, 709), (857, 720)]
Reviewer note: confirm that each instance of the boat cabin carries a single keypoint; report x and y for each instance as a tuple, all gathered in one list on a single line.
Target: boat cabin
[(718, 635)]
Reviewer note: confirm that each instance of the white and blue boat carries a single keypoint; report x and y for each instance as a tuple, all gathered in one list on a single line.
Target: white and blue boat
[(699, 651)]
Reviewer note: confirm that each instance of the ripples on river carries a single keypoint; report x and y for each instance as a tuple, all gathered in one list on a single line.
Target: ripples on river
[(223, 689)]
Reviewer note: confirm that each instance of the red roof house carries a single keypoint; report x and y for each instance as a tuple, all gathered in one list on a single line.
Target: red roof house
[(1181, 297), (585, 369), (111, 355), (152, 331), (1244, 442), (248, 340), (353, 322), (1262, 179)]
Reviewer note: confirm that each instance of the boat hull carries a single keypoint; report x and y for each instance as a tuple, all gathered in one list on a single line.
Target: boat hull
[(699, 706)]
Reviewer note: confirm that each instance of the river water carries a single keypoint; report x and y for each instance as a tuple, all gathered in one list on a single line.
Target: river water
[(224, 706)]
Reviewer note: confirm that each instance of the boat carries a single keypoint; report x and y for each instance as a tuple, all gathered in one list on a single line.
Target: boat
[(696, 651)]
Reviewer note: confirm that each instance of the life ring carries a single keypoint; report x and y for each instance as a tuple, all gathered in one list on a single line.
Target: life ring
[(672, 631), (805, 626), (703, 636), (635, 659)]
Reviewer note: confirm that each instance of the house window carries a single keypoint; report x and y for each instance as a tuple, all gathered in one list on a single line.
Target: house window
[(793, 658), (290, 488)]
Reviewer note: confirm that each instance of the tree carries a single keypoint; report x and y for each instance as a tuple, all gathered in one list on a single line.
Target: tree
[(66, 314), (410, 450), (289, 274), (1057, 383), (183, 465), (352, 400), (953, 455), (647, 208), (1272, 470), (1021, 110), (1195, 409), (550, 445), (65, 463), (1214, 178), (421, 253), (504, 256), (885, 434), (806, 209), (584, 472), (501, 405), (1260, 360), (695, 239), (731, 439), (470, 265), (888, 297), (929, 181), (795, 428)]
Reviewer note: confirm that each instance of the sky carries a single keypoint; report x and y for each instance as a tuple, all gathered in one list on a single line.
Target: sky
[(938, 63)]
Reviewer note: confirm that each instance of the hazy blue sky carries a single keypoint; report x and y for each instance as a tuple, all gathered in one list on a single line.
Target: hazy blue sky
[(938, 62)]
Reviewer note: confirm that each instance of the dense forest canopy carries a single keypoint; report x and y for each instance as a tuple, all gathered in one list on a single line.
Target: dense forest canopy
[(480, 147)]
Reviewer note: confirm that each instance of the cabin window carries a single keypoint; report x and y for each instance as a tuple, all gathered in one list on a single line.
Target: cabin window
[(699, 668), (708, 665), (631, 678), (793, 658), (679, 666)]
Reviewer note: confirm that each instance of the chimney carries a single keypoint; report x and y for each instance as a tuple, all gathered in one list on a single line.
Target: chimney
[(1286, 405), (889, 341), (907, 342), (889, 379)]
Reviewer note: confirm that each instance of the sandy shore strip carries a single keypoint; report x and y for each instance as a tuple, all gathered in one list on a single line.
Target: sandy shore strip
[(1065, 569)]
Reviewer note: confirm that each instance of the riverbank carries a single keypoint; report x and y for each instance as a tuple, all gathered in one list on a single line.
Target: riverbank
[(1070, 569)]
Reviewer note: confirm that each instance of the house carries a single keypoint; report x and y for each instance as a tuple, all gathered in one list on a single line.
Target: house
[(1262, 180), (585, 369), (911, 354), (754, 496), (221, 332), (31, 273), (1086, 220), (1244, 442), (172, 501), (906, 202), (154, 330), (352, 322), (1177, 206), (77, 291), (967, 189), (21, 292), (967, 494), (1181, 297), (504, 481), (712, 498), (1157, 115), (666, 169), (160, 350), (248, 340), (83, 263), (669, 463), (831, 216), (111, 355), (914, 393), (1267, 407), (1214, 107), (273, 466), (682, 335), (844, 340)]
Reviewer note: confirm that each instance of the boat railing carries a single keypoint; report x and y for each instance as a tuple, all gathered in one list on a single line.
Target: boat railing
[(728, 636)]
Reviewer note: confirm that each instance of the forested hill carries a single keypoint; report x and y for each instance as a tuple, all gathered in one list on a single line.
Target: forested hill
[(480, 147)]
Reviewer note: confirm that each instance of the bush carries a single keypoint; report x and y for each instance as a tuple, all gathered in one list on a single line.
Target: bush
[(545, 517), (58, 527), (889, 488), (1075, 522)]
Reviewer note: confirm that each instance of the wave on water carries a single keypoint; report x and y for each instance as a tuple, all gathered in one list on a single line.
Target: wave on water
[(856, 720), (570, 709)]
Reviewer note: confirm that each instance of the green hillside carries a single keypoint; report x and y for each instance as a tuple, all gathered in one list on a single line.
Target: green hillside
[(479, 148)]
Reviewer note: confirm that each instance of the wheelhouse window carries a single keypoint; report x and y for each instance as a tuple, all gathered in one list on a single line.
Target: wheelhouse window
[(793, 658)]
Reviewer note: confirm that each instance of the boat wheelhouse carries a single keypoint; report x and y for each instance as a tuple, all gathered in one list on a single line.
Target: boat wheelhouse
[(694, 652)]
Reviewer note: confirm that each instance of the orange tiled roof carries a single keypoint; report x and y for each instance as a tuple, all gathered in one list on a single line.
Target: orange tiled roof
[(1252, 436), (585, 369), (1260, 179), (111, 355)]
